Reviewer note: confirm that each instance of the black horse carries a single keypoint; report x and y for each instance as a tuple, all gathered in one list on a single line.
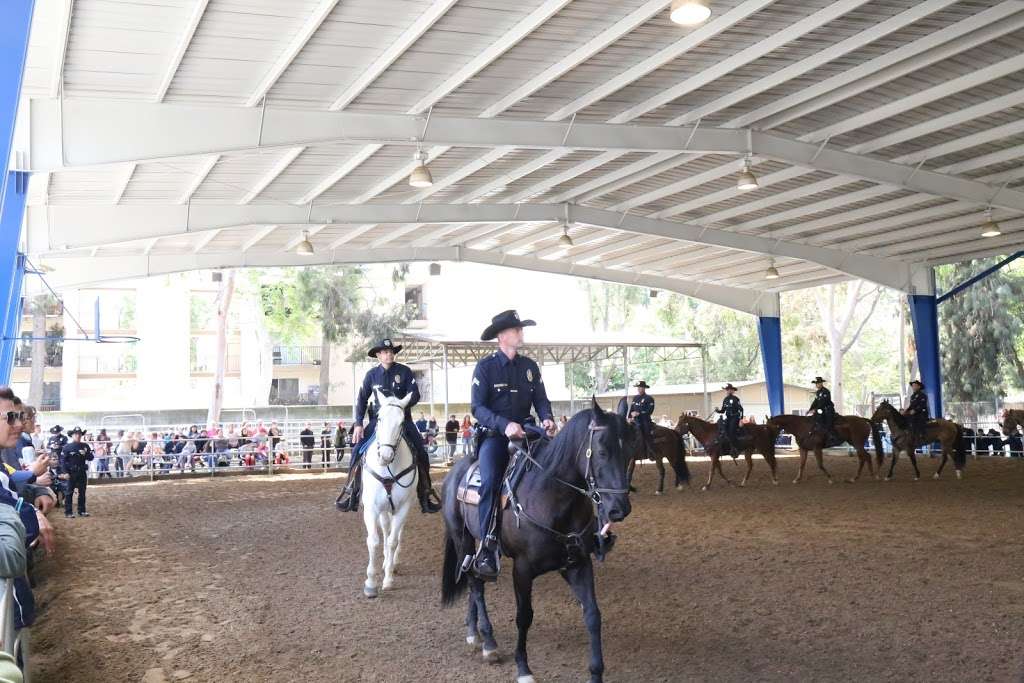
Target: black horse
[(549, 526)]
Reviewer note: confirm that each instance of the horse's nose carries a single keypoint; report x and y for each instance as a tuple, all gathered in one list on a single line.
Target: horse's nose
[(619, 511)]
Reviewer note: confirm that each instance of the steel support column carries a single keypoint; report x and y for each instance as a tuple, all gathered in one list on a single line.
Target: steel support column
[(15, 24), (924, 315), (769, 332), (12, 268)]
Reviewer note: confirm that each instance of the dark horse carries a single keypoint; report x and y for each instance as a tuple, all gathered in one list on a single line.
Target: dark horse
[(751, 439), (668, 445), (949, 434), (1012, 421), (550, 525), (852, 429)]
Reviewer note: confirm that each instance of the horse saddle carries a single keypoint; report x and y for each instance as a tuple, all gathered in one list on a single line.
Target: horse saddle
[(469, 486)]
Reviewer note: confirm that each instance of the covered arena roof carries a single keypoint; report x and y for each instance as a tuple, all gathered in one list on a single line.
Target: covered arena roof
[(438, 347), (211, 133)]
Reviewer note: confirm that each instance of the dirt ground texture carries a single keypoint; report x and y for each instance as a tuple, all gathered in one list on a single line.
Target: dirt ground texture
[(259, 579)]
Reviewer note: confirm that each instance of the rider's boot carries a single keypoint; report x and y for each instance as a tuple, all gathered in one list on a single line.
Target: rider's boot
[(348, 501), (487, 566), (429, 500)]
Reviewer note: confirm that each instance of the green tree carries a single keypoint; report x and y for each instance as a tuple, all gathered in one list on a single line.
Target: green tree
[(980, 332), (334, 301)]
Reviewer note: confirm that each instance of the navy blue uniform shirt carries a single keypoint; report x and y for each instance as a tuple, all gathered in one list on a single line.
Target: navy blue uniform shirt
[(643, 405), (504, 390), (398, 380), (75, 457), (731, 406), (822, 400), (919, 405)]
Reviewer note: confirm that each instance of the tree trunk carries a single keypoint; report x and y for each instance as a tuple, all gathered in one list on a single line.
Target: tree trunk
[(35, 383), (903, 351), (325, 371), (836, 348), (227, 288)]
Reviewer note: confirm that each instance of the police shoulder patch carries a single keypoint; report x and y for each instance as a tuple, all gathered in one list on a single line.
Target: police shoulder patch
[(529, 374)]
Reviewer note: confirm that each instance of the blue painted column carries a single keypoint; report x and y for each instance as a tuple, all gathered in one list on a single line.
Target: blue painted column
[(924, 315), (769, 332), (15, 25)]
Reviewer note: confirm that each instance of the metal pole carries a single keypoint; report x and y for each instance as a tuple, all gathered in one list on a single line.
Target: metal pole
[(625, 370), (704, 378), (444, 361), (572, 390), (431, 388), (354, 394)]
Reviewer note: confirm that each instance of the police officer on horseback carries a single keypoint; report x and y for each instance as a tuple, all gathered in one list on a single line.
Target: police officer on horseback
[(641, 410), (822, 408), (505, 387), (917, 411), (732, 409), (397, 380)]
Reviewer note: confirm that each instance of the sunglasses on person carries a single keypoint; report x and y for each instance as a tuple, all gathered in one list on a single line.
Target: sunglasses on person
[(13, 417)]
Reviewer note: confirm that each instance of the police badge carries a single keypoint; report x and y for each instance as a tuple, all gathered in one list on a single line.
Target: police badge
[(529, 375)]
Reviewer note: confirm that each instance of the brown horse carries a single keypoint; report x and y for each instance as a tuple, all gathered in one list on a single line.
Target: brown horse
[(1012, 420), (668, 445), (751, 439), (850, 428), (948, 433)]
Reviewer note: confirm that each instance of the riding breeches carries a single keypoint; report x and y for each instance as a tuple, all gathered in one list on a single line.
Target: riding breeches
[(493, 459)]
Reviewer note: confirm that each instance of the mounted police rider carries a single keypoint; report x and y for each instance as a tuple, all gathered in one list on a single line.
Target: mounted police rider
[(397, 380), (822, 408), (732, 409), (641, 410), (505, 387), (917, 411)]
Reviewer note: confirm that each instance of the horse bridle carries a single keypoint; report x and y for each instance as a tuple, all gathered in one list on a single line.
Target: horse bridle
[(393, 479)]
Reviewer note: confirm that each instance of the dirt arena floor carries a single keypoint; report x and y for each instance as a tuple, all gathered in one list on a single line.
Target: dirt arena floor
[(257, 579)]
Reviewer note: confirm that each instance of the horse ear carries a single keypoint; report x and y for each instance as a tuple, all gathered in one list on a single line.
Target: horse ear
[(596, 407), (405, 401), (376, 396), (623, 408)]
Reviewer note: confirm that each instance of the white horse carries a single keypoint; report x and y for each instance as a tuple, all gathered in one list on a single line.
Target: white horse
[(389, 490)]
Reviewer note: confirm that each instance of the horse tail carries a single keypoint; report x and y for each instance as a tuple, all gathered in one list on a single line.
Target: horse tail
[(453, 580), (960, 450), (876, 439), (679, 464)]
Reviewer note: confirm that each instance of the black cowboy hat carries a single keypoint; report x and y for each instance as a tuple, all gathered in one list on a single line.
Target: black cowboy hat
[(818, 380), (503, 321), (917, 382), (643, 384), (56, 429), (730, 386), (385, 345), (76, 430)]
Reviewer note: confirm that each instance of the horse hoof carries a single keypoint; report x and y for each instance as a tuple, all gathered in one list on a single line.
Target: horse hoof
[(935, 476), (775, 482), (704, 488), (830, 482), (387, 585), (471, 641), (657, 493), (490, 656), (796, 481), (369, 592), (851, 481), (959, 474), (917, 478), (887, 479), (525, 679), (678, 487)]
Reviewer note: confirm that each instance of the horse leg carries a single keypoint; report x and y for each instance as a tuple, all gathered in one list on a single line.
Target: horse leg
[(913, 461), (372, 547), (750, 466), (581, 578), (711, 472), (821, 463), (942, 463), (523, 584), (486, 629), (472, 635), (394, 543), (862, 458), (661, 474), (803, 463), (629, 475), (718, 466)]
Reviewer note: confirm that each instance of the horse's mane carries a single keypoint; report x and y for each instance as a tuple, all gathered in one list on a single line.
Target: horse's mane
[(899, 418), (567, 442)]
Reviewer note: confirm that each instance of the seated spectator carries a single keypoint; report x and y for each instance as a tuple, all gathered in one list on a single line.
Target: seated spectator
[(281, 455)]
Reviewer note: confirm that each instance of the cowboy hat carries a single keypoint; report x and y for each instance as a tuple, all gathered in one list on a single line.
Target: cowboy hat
[(56, 429), (385, 345), (76, 430), (643, 384), (730, 386), (504, 321), (818, 380), (917, 382)]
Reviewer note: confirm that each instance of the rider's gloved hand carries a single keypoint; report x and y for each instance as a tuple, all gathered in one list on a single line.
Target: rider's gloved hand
[(514, 430)]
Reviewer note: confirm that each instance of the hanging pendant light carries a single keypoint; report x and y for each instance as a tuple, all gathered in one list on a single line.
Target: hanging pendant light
[(420, 176), (772, 273), (746, 180), (305, 247), (565, 240), (690, 12), (990, 228)]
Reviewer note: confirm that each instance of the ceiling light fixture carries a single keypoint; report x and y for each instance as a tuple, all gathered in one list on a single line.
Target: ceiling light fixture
[(772, 273), (420, 176), (305, 247), (746, 180), (435, 268), (565, 240), (990, 228), (690, 12)]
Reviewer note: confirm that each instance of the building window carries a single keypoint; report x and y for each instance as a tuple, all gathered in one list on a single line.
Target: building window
[(108, 359), (202, 354), (116, 309), (415, 302)]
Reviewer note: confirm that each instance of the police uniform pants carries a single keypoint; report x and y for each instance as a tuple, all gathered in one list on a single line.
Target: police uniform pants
[(493, 463), (75, 481)]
